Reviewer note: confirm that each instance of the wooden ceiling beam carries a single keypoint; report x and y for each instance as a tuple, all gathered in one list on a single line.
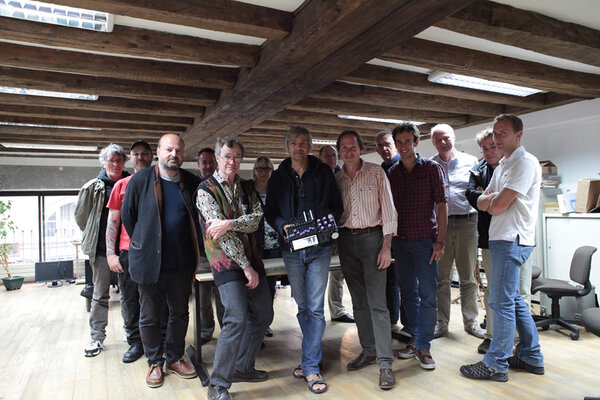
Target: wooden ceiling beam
[(72, 83), (73, 62), (134, 42), (328, 39), (113, 104), (217, 15), (443, 57), (322, 128), (90, 124), (527, 30), (363, 94), (75, 134), (408, 80), (377, 111), (67, 114)]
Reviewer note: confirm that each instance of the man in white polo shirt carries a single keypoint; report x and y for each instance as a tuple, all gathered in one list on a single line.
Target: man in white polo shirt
[(512, 198)]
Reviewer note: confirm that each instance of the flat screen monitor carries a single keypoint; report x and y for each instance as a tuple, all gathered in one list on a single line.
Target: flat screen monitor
[(54, 271)]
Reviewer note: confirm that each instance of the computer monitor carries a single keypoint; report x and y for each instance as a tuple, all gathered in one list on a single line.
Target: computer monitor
[(54, 272)]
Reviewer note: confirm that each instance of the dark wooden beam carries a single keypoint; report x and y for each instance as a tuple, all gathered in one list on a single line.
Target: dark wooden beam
[(134, 42), (377, 111), (443, 57), (217, 15), (13, 131), (328, 39), (72, 83), (362, 94), (31, 57), (408, 80), (90, 124), (113, 104), (322, 128), (527, 30), (68, 114)]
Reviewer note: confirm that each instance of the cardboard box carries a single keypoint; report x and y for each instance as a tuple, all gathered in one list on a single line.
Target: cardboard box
[(548, 168), (588, 191)]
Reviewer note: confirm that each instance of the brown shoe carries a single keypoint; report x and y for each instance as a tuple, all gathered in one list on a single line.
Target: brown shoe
[(424, 358), (386, 379), (408, 352), (182, 369), (155, 376), (361, 361)]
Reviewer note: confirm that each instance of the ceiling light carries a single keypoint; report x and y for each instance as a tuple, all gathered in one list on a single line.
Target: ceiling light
[(324, 142), (384, 120), (57, 15), (50, 126), (471, 82), (47, 93), (30, 146)]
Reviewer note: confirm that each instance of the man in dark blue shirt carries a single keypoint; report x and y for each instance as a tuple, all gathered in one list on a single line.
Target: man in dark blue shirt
[(159, 215)]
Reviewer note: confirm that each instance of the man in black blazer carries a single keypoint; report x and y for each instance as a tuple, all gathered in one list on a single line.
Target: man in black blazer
[(160, 216)]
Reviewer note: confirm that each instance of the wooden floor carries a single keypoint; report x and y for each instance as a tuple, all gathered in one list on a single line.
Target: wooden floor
[(43, 332)]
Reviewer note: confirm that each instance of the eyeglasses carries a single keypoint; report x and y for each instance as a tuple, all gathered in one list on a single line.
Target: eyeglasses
[(228, 159), (262, 169)]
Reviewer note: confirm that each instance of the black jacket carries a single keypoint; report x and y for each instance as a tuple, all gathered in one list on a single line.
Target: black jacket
[(282, 194), (141, 214), (481, 175)]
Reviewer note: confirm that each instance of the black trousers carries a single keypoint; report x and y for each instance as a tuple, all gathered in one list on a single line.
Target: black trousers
[(172, 289)]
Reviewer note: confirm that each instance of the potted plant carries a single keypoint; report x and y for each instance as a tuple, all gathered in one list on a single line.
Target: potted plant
[(6, 226)]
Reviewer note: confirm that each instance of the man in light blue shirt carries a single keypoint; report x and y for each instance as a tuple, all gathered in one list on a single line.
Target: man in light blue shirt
[(461, 234)]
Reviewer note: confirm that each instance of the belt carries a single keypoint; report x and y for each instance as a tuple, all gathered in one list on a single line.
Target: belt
[(362, 230), (461, 216)]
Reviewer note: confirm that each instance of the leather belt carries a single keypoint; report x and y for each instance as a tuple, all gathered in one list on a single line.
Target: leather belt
[(362, 230), (461, 216)]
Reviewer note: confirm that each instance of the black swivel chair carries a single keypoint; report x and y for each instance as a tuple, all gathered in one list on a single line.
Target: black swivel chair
[(556, 288)]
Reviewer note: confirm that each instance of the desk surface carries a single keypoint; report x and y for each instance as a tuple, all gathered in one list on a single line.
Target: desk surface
[(273, 267)]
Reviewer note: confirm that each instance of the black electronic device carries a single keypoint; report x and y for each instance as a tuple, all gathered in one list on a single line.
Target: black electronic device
[(311, 230), (54, 272)]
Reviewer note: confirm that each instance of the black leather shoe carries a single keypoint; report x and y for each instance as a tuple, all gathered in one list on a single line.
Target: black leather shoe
[(252, 376), (218, 393), (269, 332), (361, 361), (134, 353), (344, 318)]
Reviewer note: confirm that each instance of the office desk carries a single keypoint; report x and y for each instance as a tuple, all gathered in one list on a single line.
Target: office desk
[(273, 267)]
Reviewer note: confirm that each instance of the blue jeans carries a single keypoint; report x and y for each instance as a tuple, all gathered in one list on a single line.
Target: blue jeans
[(510, 308), (308, 270), (418, 281)]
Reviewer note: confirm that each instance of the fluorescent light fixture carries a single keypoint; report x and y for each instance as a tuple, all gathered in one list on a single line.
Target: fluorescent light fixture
[(47, 93), (30, 146), (57, 15), (324, 142), (50, 126), (384, 120), (471, 82)]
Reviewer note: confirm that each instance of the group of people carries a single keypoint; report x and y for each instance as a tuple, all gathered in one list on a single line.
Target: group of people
[(163, 221)]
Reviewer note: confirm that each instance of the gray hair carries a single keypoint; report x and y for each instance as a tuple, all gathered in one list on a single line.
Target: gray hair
[(293, 133), (484, 134), (230, 142), (382, 134), (109, 151), (444, 128)]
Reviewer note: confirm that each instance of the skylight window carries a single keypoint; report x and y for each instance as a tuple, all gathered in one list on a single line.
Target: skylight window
[(324, 142), (49, 126), (471, 82), (57, 15), (46, 93), (30, 146), (384, 120)]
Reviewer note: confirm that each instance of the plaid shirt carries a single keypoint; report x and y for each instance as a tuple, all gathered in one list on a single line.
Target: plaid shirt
[(415, 196)]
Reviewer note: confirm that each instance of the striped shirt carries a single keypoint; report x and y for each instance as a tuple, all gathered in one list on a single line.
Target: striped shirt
[(367, 199)]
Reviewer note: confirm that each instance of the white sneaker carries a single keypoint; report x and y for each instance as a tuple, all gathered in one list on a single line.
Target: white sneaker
[(94, 348)]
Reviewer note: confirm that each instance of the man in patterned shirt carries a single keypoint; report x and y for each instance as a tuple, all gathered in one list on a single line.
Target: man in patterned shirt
[(230, 212), (368, 224), (420, 196)]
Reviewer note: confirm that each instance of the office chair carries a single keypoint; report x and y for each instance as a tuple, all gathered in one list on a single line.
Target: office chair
[(590, 318), (579, 286)]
